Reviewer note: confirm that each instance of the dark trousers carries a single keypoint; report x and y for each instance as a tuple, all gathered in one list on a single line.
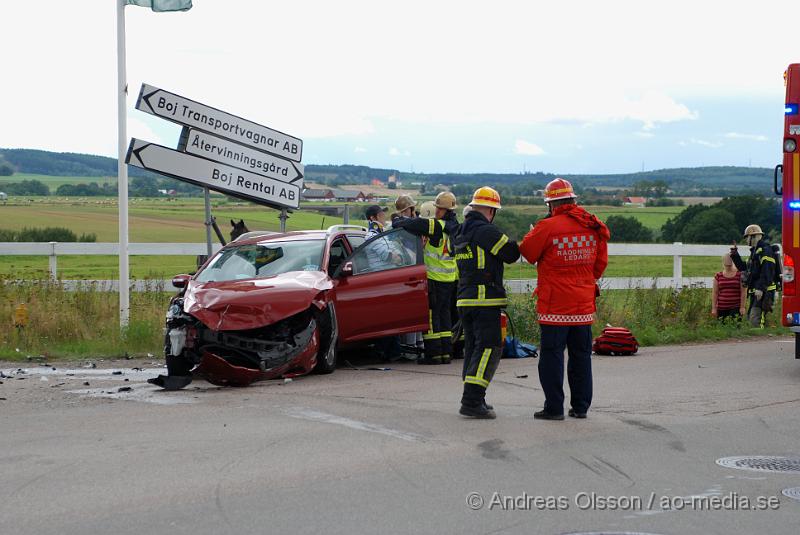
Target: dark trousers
[(438, 339), (482, 351), (577, 339)]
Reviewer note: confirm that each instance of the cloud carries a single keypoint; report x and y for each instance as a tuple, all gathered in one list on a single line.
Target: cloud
[(703, 142), (644, 134), (527, 148), (750, 137), (359, 149), (394, 151)]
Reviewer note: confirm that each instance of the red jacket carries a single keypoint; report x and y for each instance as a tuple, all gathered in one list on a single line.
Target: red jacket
[(570, 249)]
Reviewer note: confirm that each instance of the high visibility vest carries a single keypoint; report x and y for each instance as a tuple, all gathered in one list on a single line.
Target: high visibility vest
[(439, 262)]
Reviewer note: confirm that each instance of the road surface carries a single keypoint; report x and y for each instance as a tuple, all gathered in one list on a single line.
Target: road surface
[(384, 451)]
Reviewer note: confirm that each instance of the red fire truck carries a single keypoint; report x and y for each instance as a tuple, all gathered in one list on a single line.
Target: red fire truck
[(789, 189)]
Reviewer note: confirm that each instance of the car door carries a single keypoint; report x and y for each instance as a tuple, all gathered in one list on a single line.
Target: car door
[(387, 291)]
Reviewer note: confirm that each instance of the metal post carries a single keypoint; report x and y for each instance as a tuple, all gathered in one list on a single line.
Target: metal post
[(346, 215), (53, 264), (209, 221), (283, 217), (677, 266), (122, 169)]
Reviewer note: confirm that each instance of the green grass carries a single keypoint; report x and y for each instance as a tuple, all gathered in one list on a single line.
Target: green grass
[(655, 316), (53, 182), (653, 218), (637, 266)]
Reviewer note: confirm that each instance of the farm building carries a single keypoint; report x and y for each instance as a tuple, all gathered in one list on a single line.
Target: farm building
[(635, 201)]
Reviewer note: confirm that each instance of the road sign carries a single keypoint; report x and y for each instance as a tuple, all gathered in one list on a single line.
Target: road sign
[(221, 150), (187, 112), (213, 175)]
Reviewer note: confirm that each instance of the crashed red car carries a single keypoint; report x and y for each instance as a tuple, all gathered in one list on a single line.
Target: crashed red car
[(272, 305)]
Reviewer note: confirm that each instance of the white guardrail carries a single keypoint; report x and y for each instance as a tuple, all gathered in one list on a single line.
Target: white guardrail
[(55, 249)]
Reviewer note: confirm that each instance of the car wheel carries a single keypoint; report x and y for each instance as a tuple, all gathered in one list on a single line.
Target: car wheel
[(329, 338)]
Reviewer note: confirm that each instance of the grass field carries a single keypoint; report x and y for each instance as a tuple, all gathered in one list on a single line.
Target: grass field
[(181, 220), (653, 218), (53, 182)]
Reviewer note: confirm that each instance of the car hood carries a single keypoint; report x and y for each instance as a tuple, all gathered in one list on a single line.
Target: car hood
[(253, 303)]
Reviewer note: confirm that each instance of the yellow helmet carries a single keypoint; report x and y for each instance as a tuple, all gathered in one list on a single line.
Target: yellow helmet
[(486, 196), (445, 200), (751, 230), (403, 202), (427, 210)]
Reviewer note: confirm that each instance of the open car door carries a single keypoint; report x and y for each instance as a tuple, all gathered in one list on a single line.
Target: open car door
[(382, 288)]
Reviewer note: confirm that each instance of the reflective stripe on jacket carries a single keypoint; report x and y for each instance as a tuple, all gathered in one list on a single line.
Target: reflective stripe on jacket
[(481, 249), (570, 251)]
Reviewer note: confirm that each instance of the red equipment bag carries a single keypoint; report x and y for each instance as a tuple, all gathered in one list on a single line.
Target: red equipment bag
[(615, 341)]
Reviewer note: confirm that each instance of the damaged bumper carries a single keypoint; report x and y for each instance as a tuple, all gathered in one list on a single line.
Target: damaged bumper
[(238, 358)]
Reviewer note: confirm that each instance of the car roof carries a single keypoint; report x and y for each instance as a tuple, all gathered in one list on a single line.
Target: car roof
[(262, 236)]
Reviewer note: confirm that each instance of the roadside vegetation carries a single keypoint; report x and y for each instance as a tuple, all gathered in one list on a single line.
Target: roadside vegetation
[(655, 316), (84, 323)]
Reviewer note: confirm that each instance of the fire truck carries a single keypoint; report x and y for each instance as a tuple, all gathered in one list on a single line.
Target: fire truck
[(788, 187)]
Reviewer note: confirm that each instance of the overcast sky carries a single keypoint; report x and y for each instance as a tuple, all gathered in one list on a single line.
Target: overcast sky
[(430, 86)]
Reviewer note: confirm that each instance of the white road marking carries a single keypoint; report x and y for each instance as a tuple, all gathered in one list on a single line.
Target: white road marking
[(317, 416)]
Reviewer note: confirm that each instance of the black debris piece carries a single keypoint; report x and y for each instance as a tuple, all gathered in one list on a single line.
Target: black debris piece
[(126, 379), (124, 389), (521, 376), (116, 373), (86, 383), (171, 382), (3, 399), (137, 369), (59, 384)]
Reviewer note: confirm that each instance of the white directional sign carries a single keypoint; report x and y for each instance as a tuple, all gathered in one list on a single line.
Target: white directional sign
[(187, 112), (221, 150), (213, 175)]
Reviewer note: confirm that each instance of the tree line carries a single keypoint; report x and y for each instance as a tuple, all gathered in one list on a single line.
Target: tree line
[(721, 222)]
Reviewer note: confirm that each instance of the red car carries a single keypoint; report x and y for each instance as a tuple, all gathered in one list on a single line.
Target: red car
[(272, 305)]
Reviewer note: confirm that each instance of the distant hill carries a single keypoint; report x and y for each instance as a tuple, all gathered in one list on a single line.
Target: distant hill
[(702, 180)]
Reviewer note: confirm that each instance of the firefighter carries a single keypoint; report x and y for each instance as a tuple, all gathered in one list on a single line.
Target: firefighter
[(569, 247), (759, 274), (481, 249), (436, 218)]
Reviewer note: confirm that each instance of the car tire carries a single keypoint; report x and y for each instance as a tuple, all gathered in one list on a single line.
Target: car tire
[(329, 339)]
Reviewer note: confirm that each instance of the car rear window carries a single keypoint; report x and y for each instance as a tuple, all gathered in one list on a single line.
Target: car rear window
[(256, 261)]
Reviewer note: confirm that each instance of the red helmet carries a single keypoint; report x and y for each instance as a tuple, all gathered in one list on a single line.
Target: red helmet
[(558, 189)]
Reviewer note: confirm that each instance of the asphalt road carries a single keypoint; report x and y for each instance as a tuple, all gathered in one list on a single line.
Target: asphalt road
[(371, 451)]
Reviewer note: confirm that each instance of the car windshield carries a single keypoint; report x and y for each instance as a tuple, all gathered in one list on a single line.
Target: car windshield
[(261, 260)]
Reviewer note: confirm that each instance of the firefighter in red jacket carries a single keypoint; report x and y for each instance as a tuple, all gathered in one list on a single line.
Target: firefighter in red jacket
[(570, 249)]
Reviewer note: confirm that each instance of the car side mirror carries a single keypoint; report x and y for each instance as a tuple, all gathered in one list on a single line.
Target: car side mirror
[(180, 281), (347, 269)]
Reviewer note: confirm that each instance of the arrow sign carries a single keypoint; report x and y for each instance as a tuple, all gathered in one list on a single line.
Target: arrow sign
[(223, 151), (216, 176), (187, 112)]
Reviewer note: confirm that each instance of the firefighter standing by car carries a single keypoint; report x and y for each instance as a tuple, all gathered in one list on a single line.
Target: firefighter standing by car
[(441, 270), (759, 274), (569, 247), (481, 250)]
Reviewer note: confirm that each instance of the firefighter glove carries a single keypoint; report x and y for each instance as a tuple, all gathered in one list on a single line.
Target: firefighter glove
[(758, 294)]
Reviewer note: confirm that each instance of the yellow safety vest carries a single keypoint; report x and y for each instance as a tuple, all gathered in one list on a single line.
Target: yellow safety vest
[(439, 262)]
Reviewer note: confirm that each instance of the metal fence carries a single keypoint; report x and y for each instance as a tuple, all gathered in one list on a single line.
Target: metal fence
[(53, 250)]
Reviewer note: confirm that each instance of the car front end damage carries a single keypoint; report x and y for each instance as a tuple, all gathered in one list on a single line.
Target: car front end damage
[(237, 334)]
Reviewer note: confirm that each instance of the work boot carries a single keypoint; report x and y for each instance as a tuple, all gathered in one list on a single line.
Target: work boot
[(481, 412), (575, 414), (437, 359), (544, 415), (488, 407), (446, 359)]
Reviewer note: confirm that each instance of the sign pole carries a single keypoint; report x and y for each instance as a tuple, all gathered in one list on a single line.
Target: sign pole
[(122, 169), (283, 217), (209, 221)]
